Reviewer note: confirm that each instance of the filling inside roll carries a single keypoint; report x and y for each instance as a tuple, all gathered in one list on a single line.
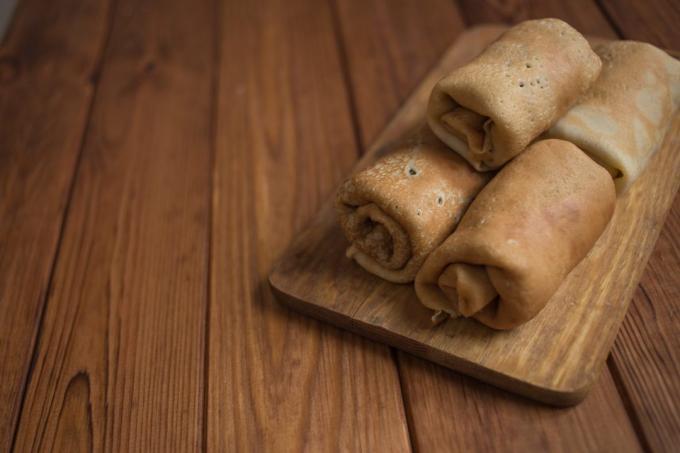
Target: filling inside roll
[(470, 128), (520, 237), (378, 235), (468, 286), (490, 109), (395, 212)]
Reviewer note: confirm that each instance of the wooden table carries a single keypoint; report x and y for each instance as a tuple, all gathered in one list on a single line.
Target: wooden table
[(157, 156)]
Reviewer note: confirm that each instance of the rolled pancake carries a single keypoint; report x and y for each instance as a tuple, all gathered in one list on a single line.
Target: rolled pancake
[(520, 237), (398, 210), (622, 120), (492, 108)]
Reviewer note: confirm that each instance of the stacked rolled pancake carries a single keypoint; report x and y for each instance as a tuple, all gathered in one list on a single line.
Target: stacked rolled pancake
[(520, 237), (489, 110), (566, 127), (622, 120), (402, 207)]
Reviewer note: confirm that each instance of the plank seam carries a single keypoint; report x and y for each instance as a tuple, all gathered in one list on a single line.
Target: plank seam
[(349, 86), (9, 31), (612, 23), (214, 93), (94, 80), (627, 403), (463, 16), (406, 402)]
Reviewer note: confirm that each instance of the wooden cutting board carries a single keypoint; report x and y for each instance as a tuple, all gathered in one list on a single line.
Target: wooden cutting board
[(555, 357)]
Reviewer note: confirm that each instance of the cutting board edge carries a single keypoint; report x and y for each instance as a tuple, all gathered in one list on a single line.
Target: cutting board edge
[(555, 396), (286, 294)]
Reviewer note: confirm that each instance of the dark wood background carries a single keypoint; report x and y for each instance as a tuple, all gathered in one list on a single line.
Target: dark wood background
[(157, 156)]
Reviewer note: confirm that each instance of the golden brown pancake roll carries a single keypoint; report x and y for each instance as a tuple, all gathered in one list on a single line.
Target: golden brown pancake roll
[(622, 120), (491, 109), (402, 207), (520, 237)]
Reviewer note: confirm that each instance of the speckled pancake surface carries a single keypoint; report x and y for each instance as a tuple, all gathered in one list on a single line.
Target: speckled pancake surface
[(492, 108), (399, 209)]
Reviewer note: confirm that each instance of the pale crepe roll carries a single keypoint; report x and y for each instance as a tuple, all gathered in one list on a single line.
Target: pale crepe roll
[(398, 210), (492, 108), (622, 120), (520, 237)]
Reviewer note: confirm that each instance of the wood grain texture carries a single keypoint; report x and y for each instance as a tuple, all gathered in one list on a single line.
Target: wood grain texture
[(653, 21), (584, 15), (452, 412), (646, 355), (119, 364), (279, 381), (389, 46), (46, 65), (576, 329)]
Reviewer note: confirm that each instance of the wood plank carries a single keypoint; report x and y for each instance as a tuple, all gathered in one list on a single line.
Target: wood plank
[(645, 357), (119, 363), (451, 412), (46, 87), (389, 46), (584, 15), (653, 21), (279, 381), (432, 419)]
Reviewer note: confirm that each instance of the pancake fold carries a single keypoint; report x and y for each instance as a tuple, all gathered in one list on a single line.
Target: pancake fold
[(521, 236), (492, 108), (395, 212), (622, 120)]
